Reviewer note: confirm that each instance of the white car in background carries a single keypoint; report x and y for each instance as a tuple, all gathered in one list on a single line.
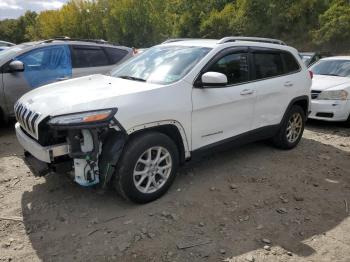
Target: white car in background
[(330, 91)]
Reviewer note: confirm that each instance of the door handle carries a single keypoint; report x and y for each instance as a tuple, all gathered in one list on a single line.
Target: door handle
[(288, 84), (246, 92)]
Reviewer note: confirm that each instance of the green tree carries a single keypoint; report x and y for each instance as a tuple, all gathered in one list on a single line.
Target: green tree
[(334, 30), (135, 22), (7, 29), (142, 23)]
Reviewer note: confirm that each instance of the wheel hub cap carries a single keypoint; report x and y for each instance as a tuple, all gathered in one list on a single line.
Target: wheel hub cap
[(152, 169), (294, 128)]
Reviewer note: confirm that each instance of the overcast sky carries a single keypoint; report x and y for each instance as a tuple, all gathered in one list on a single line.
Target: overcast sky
[(16, 8)]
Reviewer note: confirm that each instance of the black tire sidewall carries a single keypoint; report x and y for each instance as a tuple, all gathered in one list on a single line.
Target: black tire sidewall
[(137, 146)]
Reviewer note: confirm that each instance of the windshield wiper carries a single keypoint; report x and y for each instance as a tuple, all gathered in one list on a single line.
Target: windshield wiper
[(133, 78)]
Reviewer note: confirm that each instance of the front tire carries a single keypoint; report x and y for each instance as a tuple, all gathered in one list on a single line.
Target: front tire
[(291, 130), (147, 167)]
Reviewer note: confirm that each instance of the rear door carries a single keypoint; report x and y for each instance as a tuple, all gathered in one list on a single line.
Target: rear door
[(41, 66), (88, 60), (276, 79)]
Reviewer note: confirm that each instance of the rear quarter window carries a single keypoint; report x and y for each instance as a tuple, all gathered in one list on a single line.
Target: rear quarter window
[(115, 54), (291, 64)]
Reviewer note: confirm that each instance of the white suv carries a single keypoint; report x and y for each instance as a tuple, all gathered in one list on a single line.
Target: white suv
[(135, 127)]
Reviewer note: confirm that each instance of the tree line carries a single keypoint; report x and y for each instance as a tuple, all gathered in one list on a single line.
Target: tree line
[(305, 24)]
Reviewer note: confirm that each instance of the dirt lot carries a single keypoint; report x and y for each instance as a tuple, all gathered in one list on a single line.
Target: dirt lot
[(253, 203)]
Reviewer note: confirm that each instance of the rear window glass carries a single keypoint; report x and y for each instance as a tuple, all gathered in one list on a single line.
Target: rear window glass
[(290, 63), (268, 65), (85, 56), (115, 54)]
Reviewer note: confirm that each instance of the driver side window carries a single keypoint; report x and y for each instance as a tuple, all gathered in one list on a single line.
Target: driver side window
[(46, 65), (234, 66)]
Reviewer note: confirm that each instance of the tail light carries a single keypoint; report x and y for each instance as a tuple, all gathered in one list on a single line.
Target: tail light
[(311, 74)]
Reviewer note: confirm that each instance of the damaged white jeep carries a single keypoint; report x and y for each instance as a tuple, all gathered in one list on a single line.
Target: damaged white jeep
[(157, 110)]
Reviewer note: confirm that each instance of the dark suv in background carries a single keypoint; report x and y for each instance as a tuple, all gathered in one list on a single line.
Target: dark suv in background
[(30, 65)]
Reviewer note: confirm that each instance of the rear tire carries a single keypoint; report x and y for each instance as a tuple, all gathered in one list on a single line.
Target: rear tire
[(291, 130), (147, 167)]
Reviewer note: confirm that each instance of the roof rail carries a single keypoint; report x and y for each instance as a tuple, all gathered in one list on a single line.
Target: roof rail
[(251, 39), (66, 38), (172, 40)]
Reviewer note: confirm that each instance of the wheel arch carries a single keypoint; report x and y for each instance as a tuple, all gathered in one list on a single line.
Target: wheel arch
[(302, 101), (172, 129)]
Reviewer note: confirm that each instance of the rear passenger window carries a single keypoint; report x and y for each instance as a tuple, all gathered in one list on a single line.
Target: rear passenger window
[(115, 54), (268, 65), (291, 64), (234, 66), (89, 56)]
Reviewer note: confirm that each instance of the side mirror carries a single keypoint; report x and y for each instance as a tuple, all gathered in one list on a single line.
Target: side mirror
[(16, 66), (214, 79)]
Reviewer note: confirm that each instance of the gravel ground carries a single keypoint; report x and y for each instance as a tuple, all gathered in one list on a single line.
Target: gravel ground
[(253, 203)]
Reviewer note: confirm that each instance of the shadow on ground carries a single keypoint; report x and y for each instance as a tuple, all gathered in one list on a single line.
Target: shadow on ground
[(8, 140), (284, 196), (324, 127)]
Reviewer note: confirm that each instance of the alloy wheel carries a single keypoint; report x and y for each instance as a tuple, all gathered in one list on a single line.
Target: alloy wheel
[(152, 170), (294, 127)]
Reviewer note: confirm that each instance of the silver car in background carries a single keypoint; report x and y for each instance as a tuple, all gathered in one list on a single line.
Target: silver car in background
[(30, 65), (4, 45)]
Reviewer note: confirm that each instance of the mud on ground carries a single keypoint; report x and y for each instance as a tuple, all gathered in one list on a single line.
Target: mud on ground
[(253, 203)]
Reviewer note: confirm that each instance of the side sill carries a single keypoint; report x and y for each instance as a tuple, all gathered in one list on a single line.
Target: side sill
[(245, 138)]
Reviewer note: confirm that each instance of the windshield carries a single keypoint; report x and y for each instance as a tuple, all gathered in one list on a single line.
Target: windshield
[(161, 64), (332, 68)]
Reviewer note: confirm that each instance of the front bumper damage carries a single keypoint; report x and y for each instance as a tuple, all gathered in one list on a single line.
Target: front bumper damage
[(43, 153), (89, 153)]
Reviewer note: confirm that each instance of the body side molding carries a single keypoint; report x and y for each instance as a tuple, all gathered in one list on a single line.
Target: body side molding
[(162, 123)]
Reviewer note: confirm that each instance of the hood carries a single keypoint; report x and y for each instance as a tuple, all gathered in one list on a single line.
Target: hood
[(82, 94), (323, 82)]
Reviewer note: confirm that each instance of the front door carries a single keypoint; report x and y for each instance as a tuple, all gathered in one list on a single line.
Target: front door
[(41, 66), (227, 111)]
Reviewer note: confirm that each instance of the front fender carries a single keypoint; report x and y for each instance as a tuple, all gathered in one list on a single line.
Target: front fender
[(112, 148), (164, 123)]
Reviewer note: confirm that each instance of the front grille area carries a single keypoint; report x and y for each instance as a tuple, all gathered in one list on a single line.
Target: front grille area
[(27, 118), (315, 94)]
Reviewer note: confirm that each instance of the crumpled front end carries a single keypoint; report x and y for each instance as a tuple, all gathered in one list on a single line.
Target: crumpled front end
[(87, 145)]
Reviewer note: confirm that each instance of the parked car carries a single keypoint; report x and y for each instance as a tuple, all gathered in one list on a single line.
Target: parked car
[(163, 107), (31, 65), (310, 58), (4, 45), (330, 90)]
